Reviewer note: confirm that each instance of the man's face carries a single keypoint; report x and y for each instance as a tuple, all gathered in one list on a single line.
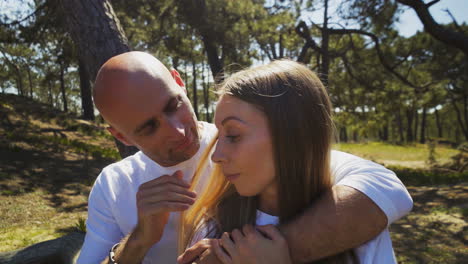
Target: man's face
[(158, 119)]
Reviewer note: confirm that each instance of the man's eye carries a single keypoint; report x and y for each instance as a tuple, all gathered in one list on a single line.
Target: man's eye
[(149, 129), (175, 104)]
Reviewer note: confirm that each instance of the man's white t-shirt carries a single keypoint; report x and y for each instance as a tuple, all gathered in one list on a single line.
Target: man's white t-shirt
[(378, 250), (112, 212)]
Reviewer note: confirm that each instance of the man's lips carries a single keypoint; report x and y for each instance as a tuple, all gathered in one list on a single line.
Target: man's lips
[(231, 177)]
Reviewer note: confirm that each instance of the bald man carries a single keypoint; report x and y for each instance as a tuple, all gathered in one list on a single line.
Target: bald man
[(132, 209)]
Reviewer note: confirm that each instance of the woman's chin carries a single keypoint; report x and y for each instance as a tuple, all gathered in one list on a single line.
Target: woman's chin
[(246, 193)]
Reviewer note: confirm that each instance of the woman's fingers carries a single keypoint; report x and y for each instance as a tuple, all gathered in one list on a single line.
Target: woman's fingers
[(221, 253), (237, 236), (271, 232), (228, 244)]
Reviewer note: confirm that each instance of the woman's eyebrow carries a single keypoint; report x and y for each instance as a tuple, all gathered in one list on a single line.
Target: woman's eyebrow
[(232, 118)]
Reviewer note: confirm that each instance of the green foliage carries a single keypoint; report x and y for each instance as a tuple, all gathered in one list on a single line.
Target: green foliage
[(411, 176), (431, 158), (81, 225)]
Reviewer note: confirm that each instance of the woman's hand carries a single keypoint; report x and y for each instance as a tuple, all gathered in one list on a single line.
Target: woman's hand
[(252, 247)]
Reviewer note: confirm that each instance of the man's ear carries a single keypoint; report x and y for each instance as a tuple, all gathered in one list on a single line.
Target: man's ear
[(119, 136), (175, 74)]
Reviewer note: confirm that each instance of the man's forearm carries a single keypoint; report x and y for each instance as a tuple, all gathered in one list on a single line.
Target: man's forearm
[(341, 219), (130, 251)]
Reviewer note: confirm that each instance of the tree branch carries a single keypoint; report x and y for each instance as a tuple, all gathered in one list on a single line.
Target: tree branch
[(443, 34), (432, 3), (24, 19)]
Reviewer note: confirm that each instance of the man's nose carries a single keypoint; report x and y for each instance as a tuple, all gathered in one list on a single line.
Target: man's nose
[(177, 128)]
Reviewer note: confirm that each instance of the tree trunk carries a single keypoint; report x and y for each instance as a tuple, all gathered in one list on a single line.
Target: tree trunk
[(461, 123), (422, 137), (214, 61), (62, 89), (85, 88), (30, 83), (343, 134), (409, 125), (416, 124), (97, 33), (325, 43), (195, 96), (206, 95), (400, 127), (438, 123), (51, 98)]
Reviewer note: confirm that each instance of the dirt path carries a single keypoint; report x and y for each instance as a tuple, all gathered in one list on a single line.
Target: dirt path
[(436, 231)]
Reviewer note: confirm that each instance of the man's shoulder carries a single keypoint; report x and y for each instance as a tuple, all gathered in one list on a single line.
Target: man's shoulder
[(125, 170), (345, 161)]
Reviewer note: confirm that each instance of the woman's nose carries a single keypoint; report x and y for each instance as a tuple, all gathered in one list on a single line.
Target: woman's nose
[(218, 155)]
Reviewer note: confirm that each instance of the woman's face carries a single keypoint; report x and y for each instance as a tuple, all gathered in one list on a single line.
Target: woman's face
[(244, 148)]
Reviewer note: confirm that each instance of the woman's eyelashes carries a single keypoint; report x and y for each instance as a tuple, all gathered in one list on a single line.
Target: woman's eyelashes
[(232, 138)]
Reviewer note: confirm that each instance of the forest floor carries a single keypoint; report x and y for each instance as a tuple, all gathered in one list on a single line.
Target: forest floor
[(49, 161)]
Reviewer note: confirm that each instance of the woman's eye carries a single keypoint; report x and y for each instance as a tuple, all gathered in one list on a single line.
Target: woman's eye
[(232, 138)]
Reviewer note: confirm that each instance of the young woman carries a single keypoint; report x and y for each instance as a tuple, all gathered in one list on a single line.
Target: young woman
[(272, 160)]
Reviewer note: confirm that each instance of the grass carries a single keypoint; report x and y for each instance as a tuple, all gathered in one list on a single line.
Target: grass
[(404, 155)]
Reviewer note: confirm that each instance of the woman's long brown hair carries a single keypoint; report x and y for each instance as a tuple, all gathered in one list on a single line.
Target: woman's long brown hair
[(298, 110)]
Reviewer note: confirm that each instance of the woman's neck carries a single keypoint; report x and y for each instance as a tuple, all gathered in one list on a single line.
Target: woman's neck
[(268, 201)]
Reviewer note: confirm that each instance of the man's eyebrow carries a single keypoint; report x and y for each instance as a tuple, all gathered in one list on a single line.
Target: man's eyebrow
[(144, 125), (231, 118)]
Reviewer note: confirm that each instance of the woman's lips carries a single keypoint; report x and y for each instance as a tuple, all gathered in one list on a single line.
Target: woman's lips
[(232, 177)]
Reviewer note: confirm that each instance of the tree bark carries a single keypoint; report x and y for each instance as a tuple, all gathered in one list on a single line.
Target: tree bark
[(95, 30), (85, 88), (195, 96), (30, 83), (62, 89), (422, 137), (438, 123), (325, 67), (409, 125), (461, 124), (416, 124), (400, 127), (97, 33)]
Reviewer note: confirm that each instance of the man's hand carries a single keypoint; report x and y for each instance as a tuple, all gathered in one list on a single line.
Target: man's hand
[(155, 200), (251, 247), (201, 252)]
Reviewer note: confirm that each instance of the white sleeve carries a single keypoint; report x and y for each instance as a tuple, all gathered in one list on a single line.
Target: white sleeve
[(102, 231), (380, 184)]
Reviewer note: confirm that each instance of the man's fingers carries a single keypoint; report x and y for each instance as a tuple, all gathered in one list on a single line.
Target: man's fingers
[(165, 188), (221, 254), (161, 207), (166, 196), (178, 174), (166, 179), (193, 252)]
